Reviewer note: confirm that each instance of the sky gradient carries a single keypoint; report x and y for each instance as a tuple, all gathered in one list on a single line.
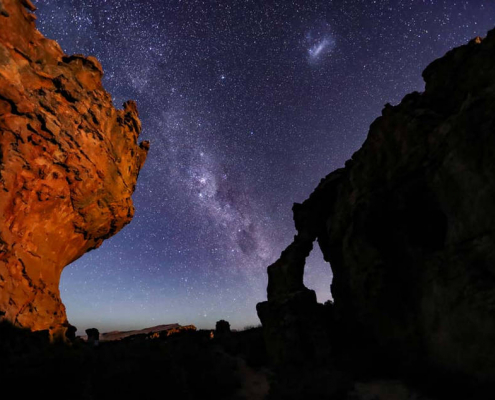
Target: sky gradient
[(247, 105)]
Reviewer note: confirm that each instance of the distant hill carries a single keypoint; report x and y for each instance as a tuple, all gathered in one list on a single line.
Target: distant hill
[(118, 335)]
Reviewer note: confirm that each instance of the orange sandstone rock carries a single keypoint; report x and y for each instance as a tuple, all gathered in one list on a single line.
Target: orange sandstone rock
[(69, 162)]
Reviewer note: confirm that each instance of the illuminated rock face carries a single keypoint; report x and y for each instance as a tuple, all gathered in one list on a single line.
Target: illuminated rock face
[(408, 228), (69, 162)]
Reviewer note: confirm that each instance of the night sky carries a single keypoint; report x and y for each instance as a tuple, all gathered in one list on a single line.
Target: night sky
[(247, 105)]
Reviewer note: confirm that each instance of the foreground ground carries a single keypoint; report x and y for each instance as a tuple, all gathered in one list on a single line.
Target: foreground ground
[(190, 365)]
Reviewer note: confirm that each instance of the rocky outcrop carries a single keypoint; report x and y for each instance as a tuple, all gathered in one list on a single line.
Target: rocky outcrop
[(222, 329), (68, 166), (154, 332), (408, 228), (93, 336)]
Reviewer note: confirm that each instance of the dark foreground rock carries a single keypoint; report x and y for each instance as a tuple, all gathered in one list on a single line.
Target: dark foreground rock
[(69, 162), (408, 228), (222, 329), (187, 364)]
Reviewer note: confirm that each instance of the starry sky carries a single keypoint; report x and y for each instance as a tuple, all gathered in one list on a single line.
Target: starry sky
[(247, 105)]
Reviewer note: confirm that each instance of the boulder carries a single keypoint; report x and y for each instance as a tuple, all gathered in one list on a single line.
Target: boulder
[(93, 336), (222, 329)]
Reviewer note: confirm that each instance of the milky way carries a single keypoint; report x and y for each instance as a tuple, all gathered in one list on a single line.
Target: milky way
[(247, 105)]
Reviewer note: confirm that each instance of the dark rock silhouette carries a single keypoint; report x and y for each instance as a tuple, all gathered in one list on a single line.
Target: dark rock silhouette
[(93, 336), (70, 333), (69, 162), (185, 365), (222, 329), (407, 227)]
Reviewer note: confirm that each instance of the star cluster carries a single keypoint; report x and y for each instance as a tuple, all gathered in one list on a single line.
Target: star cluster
[(247, 105)]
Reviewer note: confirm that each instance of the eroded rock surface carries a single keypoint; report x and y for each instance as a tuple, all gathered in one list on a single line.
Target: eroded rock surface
[(408, 228), (68, 166)]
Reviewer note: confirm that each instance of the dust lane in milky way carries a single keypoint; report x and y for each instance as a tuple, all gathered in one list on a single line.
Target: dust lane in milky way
[(247, 105)]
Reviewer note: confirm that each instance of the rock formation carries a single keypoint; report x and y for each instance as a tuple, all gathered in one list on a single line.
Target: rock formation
[(93, 336), (222, 329), (153, 332), (68, 166), (408, 228)]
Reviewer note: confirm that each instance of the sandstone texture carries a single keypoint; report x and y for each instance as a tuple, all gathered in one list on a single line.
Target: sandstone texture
[(408, 228), (68, 166)]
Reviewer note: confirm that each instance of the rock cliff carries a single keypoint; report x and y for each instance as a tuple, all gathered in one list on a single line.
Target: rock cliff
[(68, 166), (408, 228)]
